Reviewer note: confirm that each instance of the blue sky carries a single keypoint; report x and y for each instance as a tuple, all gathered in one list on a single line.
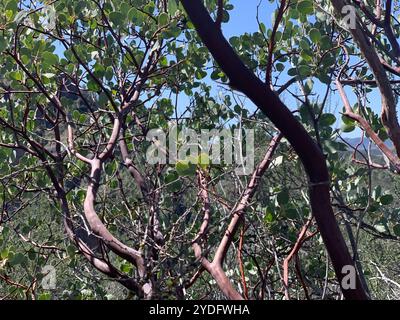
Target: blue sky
[(242, 19)]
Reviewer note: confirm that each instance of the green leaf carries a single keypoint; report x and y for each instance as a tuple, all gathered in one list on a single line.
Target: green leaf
[(3, 44), (291, 213), (150, 7), (237, 109), (200, 74), (225, 16), (347, 127), (45, 296), (185, 168), (280, 67), (234, 41), (305, 7), (269, 217), (263, 29), (169, 283), (396, 229), (347, 120), (292, 72), (172, 7), (163, 19), (16, 75), (283, 197), (386, 199), (4, 253), (163, 62), (92, 86), (327, 119), (171, 176), (325, 42), (32, 255), (304, 70), (215, 75), (315, 35), (71, 250), (49, 58), (117, 18), (126, 268), (18, 258), (12, 5), (304, 44), (109, 73), (383, 134), (176, 186), (136, 16), (76, 115)]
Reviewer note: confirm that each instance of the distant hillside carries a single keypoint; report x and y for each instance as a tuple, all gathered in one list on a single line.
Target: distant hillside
[(355, 141)]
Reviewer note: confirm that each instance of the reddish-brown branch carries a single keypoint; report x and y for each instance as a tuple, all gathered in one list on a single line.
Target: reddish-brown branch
[(265, 276), (388, 104), (378, 13), (244, 201), (372, 165), (7, 280), (367, 162), (194, 278), (271, 43), (241, 266), (390, 68), (100, 264), (374, 19), (215, 268), (367, 127), (97, 226), (293, 252), (300, 276), (389, 30), (309, 153)]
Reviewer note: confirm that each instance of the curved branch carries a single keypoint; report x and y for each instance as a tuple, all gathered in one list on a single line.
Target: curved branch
[(309, 153), (102, 265), (271, 44), (99, 229), (215, 269), (292, 253), (244, 201), (112, 141), (394, 160), (71, 146), (388, 113)]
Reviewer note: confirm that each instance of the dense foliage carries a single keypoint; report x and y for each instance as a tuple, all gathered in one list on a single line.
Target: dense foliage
[(82, 84)]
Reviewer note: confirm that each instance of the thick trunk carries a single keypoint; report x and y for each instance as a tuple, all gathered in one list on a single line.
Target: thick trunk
[(309, 153)]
